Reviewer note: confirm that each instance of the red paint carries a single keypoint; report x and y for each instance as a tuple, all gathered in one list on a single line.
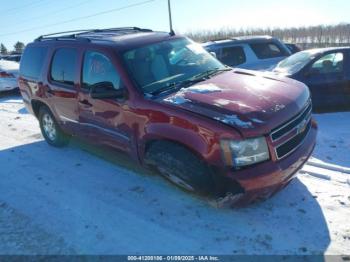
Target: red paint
[(131, 123)]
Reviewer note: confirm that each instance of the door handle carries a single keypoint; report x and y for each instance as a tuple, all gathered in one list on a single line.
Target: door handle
[(85, 102)]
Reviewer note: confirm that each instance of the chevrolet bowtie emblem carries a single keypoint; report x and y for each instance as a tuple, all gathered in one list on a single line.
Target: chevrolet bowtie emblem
[(302, 126)]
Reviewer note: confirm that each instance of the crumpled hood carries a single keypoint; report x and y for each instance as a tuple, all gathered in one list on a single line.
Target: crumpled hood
[(252, 102)]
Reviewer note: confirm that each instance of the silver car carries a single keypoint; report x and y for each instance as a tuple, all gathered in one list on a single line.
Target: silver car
[(249, 52)]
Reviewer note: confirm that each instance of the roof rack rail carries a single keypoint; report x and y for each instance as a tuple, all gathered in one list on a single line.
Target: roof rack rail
[(219, 39), (133, 28), (78, 34), (245, 37)]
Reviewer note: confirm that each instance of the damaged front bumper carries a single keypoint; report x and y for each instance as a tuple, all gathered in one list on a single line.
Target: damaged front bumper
[(263, 181)]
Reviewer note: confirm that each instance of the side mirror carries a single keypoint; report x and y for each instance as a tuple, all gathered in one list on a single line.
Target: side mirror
[(106, 90), (213, 54)]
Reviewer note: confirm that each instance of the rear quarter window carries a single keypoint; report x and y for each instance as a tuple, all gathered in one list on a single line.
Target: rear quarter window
[(267, 50), (32, 61)]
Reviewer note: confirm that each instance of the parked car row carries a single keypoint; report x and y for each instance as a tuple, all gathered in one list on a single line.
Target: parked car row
[(233, 134), (325, 71)]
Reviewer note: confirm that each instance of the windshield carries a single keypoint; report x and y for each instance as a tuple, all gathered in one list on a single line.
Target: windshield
[(296, 62), (157, 66)]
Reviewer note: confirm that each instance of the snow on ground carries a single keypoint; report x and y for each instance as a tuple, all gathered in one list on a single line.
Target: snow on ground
[(82, 199)]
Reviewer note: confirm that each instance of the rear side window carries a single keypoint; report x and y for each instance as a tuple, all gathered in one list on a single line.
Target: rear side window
[(32, 61), (267, 50), (63, 66), (232, 56)]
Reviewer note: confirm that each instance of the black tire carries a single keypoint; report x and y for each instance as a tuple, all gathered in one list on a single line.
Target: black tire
[(54, 136), (180, 166)]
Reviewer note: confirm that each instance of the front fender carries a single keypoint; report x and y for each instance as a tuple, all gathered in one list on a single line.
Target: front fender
[(199, 140)]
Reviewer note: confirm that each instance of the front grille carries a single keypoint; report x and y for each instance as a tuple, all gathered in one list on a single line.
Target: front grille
[(292, 144), (283, 130), (299, 126)]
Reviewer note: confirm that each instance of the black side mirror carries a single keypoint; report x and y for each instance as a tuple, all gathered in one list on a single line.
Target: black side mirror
[(106, 90)]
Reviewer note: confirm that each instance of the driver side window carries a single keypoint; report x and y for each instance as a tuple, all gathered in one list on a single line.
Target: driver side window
[(330, 63), (98, 70)]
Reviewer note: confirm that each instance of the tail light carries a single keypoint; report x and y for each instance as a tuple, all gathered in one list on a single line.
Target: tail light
[(6, 75)]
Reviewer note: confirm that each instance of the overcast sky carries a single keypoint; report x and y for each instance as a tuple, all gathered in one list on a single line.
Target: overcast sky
[(26, 19)]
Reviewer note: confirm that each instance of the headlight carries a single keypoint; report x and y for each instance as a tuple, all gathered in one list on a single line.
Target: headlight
[(245, 152)]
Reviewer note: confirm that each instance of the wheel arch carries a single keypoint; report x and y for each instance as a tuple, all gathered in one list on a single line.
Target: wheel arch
[(221, 183), (194, 142), (152, 141), (36, 105)]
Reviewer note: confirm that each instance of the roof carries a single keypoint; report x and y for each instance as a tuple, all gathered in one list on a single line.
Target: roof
[(318, 51), (240, 39), (123, 37), (327, 49), (88, 34)]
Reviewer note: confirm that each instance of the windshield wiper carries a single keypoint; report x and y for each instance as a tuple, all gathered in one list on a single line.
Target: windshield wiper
[(211, 72), (178, 85), (168, 87), (185, 83)]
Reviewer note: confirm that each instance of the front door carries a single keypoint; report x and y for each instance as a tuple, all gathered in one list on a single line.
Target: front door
[(326, 80), (102, 120)]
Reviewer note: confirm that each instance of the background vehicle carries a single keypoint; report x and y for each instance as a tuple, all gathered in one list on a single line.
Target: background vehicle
[(293, 48), (249, 52), (325, 71), (172, 106), (8, 75), (14, 58)]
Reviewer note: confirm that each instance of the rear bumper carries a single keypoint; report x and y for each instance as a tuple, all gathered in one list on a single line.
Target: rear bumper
[(264, 180)]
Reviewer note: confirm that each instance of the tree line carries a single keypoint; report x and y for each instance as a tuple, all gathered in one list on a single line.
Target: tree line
[(305, 37), (18, 48)]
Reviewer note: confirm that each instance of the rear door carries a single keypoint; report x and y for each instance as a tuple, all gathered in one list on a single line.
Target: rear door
[(327, 80), (102, 120), (63, 79)]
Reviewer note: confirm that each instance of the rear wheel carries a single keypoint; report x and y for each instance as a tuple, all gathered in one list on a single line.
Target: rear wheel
[(50, 129), (180, 166)]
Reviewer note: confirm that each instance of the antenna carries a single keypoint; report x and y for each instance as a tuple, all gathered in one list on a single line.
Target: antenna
[(170, 20)]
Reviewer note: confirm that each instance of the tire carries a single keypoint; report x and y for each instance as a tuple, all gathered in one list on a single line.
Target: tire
[(50, 129), (180, 166)]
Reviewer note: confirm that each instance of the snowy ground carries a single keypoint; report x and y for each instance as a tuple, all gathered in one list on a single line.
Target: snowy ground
[(82, 199)]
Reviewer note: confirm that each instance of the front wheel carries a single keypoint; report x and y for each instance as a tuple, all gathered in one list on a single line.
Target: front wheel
[(180, 166), (50, 129)]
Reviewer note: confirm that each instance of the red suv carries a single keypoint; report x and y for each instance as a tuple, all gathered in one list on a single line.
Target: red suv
[(170, 105)]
